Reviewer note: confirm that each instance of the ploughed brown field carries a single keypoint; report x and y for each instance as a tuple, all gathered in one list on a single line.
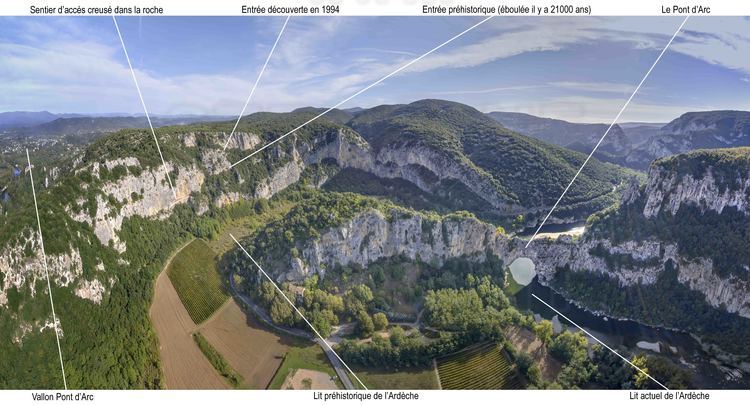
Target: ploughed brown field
[(247, 345), (183, 363)]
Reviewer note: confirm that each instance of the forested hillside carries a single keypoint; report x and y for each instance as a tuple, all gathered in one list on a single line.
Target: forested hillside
[(442, 180)]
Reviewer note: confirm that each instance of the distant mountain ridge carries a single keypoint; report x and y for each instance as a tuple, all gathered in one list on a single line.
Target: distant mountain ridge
[(636, 145), (575, 136), (84, 125), (695, 130), (20, 119)]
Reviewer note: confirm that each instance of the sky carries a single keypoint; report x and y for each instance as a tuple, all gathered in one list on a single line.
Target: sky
[(580, 69)]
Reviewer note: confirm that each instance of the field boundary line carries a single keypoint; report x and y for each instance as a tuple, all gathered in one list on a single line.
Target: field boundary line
[(163, 271), (216, 313), (145, 110), (601, 343), (436, 373), (298, 311), (371, 85), (614, 121), (257, 80), (46, 272)]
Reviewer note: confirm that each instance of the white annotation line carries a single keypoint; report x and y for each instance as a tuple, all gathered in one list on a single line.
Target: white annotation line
[(373, 84), (600, 342), (663, 51), (145, 110), (257, 80), (297, 310), (46, 271)]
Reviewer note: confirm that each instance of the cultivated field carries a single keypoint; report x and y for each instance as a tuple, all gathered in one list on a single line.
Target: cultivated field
[(194, 275), (480, 367), (422, 378), (248, 346), (184, 365)]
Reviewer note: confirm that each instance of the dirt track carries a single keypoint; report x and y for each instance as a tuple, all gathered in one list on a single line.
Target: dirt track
[(183, 363), (249, 347)]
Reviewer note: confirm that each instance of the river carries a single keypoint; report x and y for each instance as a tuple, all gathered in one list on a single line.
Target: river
[(681, 347), (555, 230)]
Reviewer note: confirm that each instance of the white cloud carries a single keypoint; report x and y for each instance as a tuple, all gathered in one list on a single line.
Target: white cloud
[(487, 91), (723, 41), (596, 87), (602, 110), (61, 75), (63, 64)]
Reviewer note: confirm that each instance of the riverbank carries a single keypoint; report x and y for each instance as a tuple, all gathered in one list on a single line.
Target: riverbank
[(709, 370)]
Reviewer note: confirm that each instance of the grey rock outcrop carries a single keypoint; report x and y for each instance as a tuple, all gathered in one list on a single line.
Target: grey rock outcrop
[(155, 199), (667, 190)]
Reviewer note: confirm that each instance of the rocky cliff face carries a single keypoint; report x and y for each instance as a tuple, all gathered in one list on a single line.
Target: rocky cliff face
[(147, 195), (372, 235), (421, 165), (668, 190), (20, 269)]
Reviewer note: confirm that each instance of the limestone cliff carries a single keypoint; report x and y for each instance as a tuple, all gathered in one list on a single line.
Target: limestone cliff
[(371, 235), (147, 194)]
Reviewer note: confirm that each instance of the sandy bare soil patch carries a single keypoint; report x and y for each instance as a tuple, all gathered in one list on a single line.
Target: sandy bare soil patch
[(526, 341), (184, 365), (303, 379), (247, 345)]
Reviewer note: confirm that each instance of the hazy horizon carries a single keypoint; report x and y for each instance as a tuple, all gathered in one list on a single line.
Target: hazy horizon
[(578, 70)]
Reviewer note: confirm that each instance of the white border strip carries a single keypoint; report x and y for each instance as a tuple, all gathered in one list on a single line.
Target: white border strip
[(46, 271), (298, 311), (257, 80), (363, 90), (601, 343), (148, 118), (608, 129)]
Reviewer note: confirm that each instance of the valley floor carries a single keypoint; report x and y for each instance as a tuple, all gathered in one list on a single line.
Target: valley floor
[(183, 364), (261, 357)]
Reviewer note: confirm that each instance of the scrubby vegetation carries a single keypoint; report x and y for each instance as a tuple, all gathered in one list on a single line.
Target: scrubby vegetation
[(217, 361), (475, 313)]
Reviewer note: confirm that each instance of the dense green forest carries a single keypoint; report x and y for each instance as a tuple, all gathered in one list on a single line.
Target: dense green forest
[(112, 344), (500, 155)]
